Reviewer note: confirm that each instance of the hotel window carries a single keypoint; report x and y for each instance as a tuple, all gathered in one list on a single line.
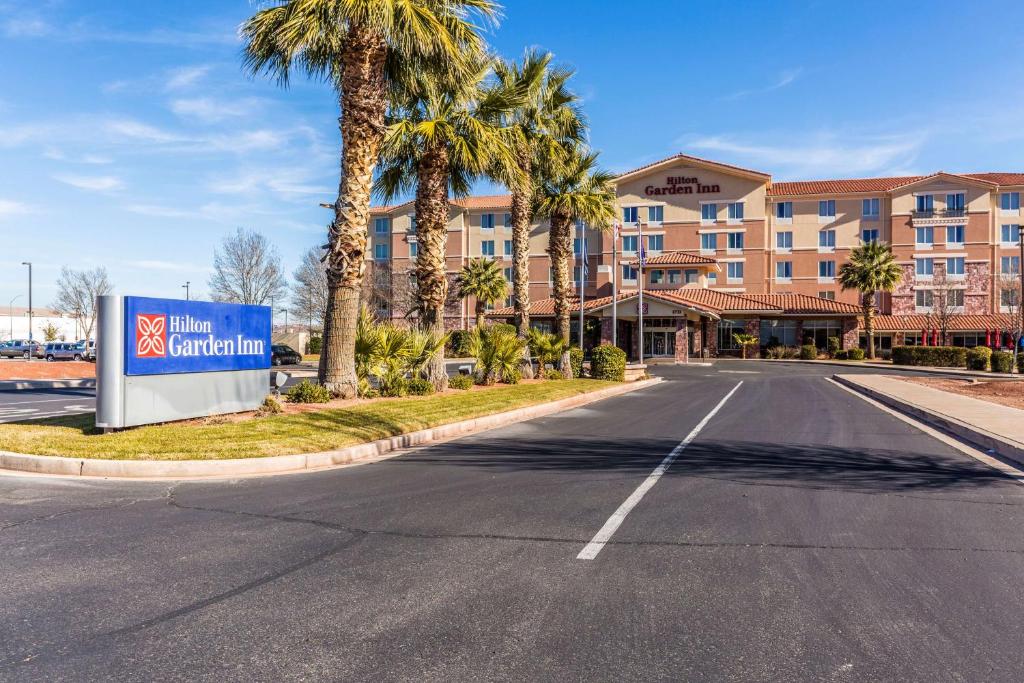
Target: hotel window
[(487, 221), (736, 212), (414, 249), (675, 277), (954, 235), (577, 244), (657, 276), (827, 240), (508, 248), (487, 248), (924, 298), (783, 270), (778, 332), (868, 236), (956, 298), (1009, 265), (380, 252), (691, 276), (506, 220), (827, 210), (784, 241), (628, 274), (1008, 298), (925, 203), (955, 201), (712, 279), (629, 244), (826, 270), (1009, 235), (655, 214), (412, 223), (784, 211), (708, 213), (580, 225), (709, 241), (655, 243), (925, 237), (1010, 202), (830, 295), (630, 215), (869, 208), (955, 267), (735, 241), (734, 271), (380, 226), (925, 267), (507, 272), (576, 274)]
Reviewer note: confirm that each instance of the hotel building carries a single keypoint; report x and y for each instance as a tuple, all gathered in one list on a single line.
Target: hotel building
[(727, 250)]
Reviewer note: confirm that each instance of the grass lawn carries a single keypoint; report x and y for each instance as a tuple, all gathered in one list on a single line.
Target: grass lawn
[(279, 434)]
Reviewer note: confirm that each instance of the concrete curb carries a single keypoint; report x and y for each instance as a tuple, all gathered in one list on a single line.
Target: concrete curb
[(35, 384), (281, 464), (889, 366), (976, 436)]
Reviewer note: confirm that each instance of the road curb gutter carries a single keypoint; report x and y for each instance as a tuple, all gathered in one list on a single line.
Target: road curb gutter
[(977, 437), (283, 464), (35, 384)]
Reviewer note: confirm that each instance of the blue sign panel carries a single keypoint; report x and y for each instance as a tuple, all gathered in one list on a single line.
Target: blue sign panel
[(171, 336)]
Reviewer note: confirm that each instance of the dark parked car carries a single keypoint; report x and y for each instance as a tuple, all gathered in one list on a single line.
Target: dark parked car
[(284, 355), (65, 351), (21, 348)]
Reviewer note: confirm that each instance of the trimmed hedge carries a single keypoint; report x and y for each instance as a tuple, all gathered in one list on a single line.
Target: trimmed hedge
[(458, 344), (855, 354), (608, 362), (419, 387), (1002, 361), (841, 355), (808, 352), (314, 345), (935, 356), (978, 358), (462, 382), (834, 345), (308, 392), (576, 361)]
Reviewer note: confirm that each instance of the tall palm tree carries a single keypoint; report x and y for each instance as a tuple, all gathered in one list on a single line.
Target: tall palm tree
[(573, 190), (872, 268), (443, 134), (548, 121), (361, 47), (482, 279)]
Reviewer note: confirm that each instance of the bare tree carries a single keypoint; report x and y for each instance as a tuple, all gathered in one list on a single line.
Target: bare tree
[(947, 301), (1011, 299), (247, 270), (309, 291), (77, 292)]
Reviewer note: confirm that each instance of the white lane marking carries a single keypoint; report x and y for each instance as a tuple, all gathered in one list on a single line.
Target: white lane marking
[(599, 540), (42, 400), (740, 372), (979, 455)]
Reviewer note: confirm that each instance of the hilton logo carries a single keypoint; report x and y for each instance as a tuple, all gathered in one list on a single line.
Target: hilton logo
[(150, 336)]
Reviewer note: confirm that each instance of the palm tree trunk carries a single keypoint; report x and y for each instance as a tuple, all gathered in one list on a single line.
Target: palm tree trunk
[(868, 303), (481, 312), (520, 215), (363, 104), (431, 263), (560, 249)]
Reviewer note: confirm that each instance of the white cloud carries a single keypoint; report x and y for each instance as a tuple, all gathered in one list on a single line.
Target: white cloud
[(209, 110), (137, 130), (785, 78), (157, 211), (287, 183), (94, 183), (9, 208), (59, 155), (185, 76), (26, 27)]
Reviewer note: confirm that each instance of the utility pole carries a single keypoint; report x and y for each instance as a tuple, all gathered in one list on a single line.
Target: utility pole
[(31, 350), (10, 313), (185, 287)]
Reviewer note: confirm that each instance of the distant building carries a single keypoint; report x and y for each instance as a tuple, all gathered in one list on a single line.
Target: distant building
[(14, 324)]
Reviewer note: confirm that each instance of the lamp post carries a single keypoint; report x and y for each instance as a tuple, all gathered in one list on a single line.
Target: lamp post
[(10, 313), (31, 350), (642, 253), (583, 272), (185, 287), (1020, 295)]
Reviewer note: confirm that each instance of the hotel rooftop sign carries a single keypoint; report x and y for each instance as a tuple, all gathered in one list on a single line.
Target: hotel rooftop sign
[(681, 185)]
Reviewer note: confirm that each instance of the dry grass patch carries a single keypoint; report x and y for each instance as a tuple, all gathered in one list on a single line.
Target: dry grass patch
[(1009, 393)]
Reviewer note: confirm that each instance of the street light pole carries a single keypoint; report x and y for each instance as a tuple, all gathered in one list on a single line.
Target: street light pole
[(583, 272), (185, 287), (31, 350), (10, 313)]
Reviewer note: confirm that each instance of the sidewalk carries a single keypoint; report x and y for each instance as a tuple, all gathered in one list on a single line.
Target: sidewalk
[(987, 425), (888, 365)]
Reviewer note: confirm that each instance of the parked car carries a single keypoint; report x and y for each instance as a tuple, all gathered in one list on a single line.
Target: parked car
[(21, 348), (284, 355), (90, 349), (65, 351)]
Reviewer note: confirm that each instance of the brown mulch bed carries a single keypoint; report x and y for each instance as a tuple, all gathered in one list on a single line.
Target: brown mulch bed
[(40, 369), (1005, 393)]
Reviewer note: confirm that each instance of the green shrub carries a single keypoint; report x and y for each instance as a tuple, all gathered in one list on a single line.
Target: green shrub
[(608, 362), (458, 344), (978, 358), (308, 392), (935, 356), (419, 387), (833, 346), (395, 387), (1020, 362), (840, 354), (502, 328), (552, 373), (271, 406), (576, 361), (808, 352), (314, 345), (855, 354), (462, 382), (511, 376), (1002, 361)]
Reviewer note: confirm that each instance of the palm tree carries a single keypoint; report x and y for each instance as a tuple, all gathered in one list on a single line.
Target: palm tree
[(573, 190), (548, 121), (482, 279), (872, 268), (362, 48), (443, 134)]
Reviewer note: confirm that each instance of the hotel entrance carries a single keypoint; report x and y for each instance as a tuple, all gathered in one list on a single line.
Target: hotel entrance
[(659, 343)]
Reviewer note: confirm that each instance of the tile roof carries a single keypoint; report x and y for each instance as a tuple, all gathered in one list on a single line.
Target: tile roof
[(678, 258), (841, 186), (804, 303), (913, 323), (999, 178), (686, 157)]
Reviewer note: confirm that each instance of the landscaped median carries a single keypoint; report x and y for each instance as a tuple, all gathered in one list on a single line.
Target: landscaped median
[(276, 443)]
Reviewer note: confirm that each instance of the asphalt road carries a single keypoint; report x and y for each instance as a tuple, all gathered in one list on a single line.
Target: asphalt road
[(803, 534), (16, 406)]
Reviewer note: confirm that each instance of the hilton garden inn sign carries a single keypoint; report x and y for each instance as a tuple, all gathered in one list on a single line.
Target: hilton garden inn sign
[(166, 359)]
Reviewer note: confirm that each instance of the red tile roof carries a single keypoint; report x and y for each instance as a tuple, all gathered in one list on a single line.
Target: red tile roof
[(913, 323), (841, 186), (805, 304), (679, 258), (692, 159), (999, 178)]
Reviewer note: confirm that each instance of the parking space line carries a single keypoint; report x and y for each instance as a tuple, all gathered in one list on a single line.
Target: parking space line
[(599, 540)]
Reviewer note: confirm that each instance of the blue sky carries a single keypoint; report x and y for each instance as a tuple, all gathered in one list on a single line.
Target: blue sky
[(131, 138)]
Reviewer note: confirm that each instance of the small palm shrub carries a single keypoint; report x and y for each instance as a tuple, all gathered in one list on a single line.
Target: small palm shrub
[(308, 392), (808, 352), (745, 341), (978, 358), (462, 382), (545, 347), (576, 361), (271, 406), (417, 386), (608, 362), (833, 345), (388, 353), (498, 351), (782, 352), (855, 354), (552, 373), (1002, 361)]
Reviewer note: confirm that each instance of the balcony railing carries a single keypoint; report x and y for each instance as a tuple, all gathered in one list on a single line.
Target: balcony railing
[(941, 213)]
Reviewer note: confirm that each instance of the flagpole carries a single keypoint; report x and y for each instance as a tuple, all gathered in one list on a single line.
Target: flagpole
[(615, 284), (583, 272), (640, 285)]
